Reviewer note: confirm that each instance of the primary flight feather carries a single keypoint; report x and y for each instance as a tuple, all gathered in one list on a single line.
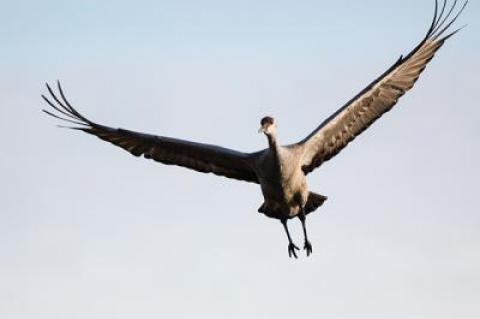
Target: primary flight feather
[(280, 170)]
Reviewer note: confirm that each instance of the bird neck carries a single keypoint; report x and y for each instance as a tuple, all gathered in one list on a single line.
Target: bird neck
[(275, 151), (272, 141)]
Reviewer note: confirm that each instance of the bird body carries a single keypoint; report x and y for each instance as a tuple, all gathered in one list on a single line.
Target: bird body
[(283, 183), (280, 170)]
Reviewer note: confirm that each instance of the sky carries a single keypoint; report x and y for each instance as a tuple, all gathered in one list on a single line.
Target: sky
[(89, 231)]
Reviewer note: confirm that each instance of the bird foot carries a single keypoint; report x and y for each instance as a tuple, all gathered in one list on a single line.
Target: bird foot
[(291, 250), (308, 247)]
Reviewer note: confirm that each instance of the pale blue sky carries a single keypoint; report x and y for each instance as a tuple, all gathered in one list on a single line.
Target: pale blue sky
[(88, 231)]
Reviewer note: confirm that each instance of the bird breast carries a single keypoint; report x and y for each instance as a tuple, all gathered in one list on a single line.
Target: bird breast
[(281, 177)]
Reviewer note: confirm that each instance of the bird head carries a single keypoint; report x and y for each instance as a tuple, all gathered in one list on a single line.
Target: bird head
[(267, 125)]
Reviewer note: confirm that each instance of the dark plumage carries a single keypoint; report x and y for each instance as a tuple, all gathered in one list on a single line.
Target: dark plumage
[(280, 170), (267, 120)]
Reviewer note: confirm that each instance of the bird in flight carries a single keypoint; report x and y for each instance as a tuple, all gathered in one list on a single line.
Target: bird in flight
[(280, 170)]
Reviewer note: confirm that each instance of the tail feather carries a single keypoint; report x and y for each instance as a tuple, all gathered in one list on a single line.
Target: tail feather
[(314, 201)]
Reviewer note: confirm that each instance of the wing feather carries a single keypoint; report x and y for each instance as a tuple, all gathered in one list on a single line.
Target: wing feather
[(379, 97), (204, 158)]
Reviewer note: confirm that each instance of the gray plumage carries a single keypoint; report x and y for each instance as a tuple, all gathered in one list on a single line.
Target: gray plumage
[(280, 170)]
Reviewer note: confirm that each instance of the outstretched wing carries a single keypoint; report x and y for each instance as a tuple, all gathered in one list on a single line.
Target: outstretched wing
[(376, 99), (204, 158)]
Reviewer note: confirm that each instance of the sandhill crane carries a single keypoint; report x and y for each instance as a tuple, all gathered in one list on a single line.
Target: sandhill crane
[(280, 170)]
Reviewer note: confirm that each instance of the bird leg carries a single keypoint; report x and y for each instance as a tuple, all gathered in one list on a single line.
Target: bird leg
[(291, 245), (307, 246)]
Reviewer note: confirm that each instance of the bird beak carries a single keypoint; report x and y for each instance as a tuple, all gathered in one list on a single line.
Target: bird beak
[(260, 130)]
